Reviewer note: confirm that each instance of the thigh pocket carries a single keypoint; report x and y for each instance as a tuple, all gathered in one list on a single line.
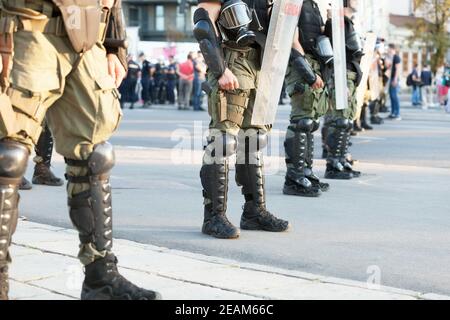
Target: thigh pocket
[(30, 111), (235, 104), (321, 102), (109, 113)]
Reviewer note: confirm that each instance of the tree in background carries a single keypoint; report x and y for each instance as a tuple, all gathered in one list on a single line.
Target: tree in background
[(432, 30)]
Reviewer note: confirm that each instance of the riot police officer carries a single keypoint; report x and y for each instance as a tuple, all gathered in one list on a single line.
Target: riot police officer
[(338, 123), (233, 57), (310, 62), (70, 76)]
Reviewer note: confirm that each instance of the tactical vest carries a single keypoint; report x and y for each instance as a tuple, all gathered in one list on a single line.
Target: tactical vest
[(309, 25)]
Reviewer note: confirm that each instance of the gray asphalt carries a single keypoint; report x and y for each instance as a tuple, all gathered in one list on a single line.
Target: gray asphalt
[(395, 217)]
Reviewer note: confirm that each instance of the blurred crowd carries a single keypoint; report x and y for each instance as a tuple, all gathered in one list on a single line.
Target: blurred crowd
[(179, 83), (428, 90), (164, 82)]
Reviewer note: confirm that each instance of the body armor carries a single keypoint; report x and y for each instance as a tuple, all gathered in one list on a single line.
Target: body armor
[(310, 26)]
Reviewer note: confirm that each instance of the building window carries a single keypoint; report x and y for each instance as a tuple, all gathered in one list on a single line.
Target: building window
[(181, 20), (144, 18), (160, 18), (133, 17)]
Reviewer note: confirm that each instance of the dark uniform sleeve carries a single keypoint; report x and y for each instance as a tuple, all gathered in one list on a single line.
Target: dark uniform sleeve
[(116, 38), (209, 42)]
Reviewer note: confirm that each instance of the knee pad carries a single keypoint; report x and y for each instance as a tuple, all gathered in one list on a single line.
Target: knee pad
[(102, 159), (99, 162), (220, 146), (13, 160), (304, 125), (342, 123), (315, 126), (252, 140)]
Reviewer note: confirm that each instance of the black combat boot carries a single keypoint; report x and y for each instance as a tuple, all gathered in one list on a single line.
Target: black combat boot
[(214, 179), (376, 120), (25, 184), (297, 151), (42, 172), (364, 124), (336, 143), (255, 215), (357, 127), (13, 163), (91, 213), (250, 176), (104, 282)]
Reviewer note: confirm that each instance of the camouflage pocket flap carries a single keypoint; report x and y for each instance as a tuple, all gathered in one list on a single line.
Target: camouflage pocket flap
[(35, 80), (245, 82), (105, 83)]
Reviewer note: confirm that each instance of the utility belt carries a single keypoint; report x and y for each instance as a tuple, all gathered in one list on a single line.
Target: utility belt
[(56, 26), (249, 53)]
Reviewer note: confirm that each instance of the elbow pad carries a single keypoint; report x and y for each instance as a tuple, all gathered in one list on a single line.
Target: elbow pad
[(116, 37), (354, 45), (210, 45), (302, 66)]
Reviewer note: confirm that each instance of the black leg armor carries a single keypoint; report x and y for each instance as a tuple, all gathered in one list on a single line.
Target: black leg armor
[(347, 157), (91, 211), (91, 214), (42, 172), (13, 163), (337, 138), (214, 178), (250, 176), (297, 155), (310, 159)]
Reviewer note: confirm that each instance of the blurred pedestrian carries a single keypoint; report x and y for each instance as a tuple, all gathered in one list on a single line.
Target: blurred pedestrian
[(172, 77), (128, 87), (199, 78), (414, 81), (186, 73), (426, 90), (147, 70), (394, 82), (442, 89)]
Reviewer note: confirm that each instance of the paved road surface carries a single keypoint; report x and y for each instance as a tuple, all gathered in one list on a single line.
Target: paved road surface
[(395, 219)]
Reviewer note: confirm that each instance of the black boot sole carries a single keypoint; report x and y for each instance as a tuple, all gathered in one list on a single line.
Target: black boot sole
[(322, 186), (255, 226), (337, 176), (355, 174), (220, 236), (294, 192), (106, 293), (47, 183)]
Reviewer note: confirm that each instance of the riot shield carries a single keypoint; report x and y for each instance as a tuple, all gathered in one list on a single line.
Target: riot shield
[(284, 20), (366, 64), (340, 63)]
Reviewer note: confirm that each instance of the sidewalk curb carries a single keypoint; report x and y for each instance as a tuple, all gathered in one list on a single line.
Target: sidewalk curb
[(180, 273)]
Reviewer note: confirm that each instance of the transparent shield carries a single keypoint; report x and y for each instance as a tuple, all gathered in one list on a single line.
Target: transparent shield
[(285, 14), (340, 62)]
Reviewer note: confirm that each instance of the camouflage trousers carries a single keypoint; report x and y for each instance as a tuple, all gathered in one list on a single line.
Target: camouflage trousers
[(306, 102), (73, 92)]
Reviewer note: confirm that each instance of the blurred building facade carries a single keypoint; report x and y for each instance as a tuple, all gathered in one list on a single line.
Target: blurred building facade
[(159, 23), (160, 20)]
